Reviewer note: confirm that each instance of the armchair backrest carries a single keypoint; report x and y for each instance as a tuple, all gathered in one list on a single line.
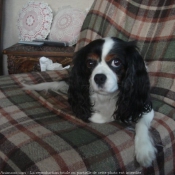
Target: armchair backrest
[(151, 23)]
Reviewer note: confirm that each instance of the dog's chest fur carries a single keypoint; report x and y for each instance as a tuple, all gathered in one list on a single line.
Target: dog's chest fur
[(103, 107)]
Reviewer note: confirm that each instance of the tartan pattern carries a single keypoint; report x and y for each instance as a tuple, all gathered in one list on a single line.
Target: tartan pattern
[(151, 24), (39, 133)]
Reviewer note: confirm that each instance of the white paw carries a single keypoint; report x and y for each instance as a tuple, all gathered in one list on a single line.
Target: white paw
[(145, 152), (98, 118)]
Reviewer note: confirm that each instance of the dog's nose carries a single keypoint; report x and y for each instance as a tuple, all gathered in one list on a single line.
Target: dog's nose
[(100, 79)]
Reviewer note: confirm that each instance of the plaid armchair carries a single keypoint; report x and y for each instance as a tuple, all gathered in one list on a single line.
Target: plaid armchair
[(39, 134)]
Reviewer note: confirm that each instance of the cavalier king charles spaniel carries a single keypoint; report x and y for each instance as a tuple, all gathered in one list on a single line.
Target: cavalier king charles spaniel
[(108, 82)]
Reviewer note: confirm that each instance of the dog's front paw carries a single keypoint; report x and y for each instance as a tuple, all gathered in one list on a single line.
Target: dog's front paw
[(98, 118), (145, 152)]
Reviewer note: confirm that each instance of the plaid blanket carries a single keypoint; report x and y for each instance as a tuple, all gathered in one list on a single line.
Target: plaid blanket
[(40, 135)]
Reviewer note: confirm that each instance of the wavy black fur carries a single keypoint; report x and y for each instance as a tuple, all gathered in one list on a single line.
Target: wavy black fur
[(78, 93), (134, 86), (133, 97)]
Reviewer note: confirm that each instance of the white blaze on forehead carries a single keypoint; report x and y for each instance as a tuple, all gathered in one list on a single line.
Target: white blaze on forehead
[(107, 46), (102, 67)]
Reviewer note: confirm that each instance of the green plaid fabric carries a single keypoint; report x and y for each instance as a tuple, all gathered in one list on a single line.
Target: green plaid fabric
[(39, 134)]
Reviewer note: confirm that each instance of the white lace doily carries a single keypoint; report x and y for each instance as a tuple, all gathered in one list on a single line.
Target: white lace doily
[(34, 21), (67, 25)]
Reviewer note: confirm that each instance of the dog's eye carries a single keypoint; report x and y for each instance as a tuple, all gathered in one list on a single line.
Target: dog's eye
[(90, 63), (116, 63)]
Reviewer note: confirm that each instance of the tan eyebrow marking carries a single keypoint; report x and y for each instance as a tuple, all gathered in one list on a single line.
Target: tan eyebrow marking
[(109, 57), (93, 57)]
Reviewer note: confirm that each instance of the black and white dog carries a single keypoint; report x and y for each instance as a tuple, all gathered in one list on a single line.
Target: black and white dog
[(108, 82)]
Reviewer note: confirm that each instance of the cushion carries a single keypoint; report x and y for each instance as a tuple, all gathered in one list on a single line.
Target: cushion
[(67, 24), (34, 21)]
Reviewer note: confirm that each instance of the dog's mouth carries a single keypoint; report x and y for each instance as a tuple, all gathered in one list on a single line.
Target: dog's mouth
[(102, 90), (103, 85)]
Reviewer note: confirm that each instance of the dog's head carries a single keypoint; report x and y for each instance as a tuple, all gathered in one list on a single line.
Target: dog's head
[(107, 66)]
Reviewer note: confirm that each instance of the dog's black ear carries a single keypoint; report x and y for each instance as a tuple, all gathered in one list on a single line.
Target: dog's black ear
[(134, 88), (78, 93)]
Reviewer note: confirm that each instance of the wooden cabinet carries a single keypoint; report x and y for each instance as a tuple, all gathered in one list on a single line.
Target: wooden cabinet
[(24, 58)]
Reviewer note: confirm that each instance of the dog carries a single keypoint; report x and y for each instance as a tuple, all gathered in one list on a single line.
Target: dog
[(108, 82)]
